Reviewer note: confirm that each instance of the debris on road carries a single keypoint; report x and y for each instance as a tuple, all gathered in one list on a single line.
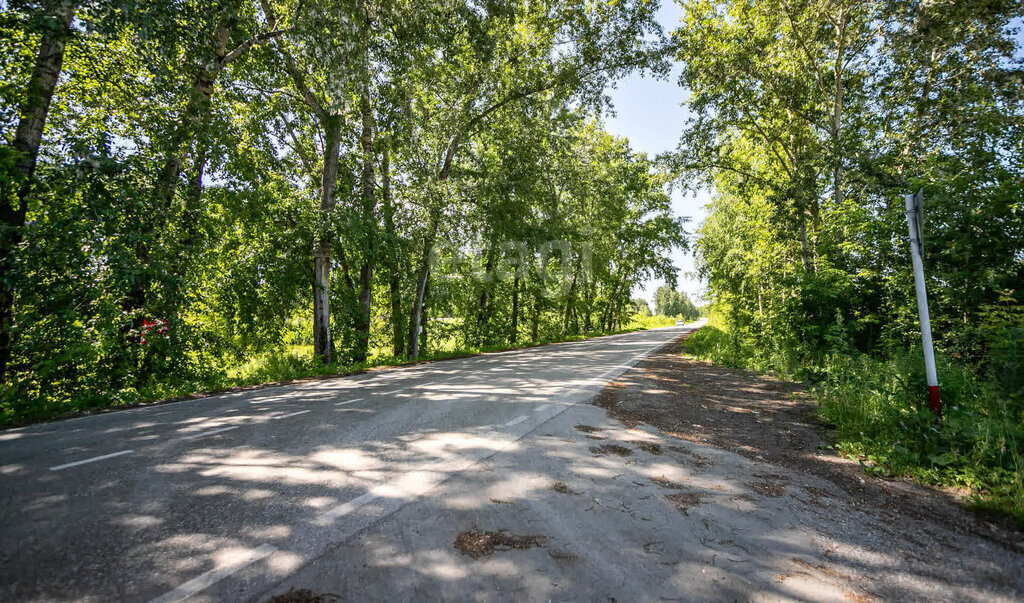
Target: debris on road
[(562, 488), (478, 544), (611, 449)]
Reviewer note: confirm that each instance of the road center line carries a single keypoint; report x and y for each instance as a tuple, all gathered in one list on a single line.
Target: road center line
[(348, 402), (301, 412), (342, 510), (92, 460), (204, 580), (206, 433)]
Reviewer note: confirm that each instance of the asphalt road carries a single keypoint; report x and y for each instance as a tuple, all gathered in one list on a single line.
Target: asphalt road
[(233, 496)]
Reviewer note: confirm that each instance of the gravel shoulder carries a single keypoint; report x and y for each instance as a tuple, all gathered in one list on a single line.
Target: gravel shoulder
[(936, 542)]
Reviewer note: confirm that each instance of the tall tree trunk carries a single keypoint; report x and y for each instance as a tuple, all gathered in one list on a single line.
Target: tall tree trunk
[(837, 110), (397, 331), (416, 324), (513, 336), (483, 315), (426, 319), (27, 138), (369, 234), (416, 316), (535, 318), (196, 116), (588, 324), (570, 299), (395, 276), (191, 127), (323, 345)]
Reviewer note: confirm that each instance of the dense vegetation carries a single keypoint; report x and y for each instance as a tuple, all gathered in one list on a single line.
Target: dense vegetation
[(811, 120), (196, 194), (669, 302)]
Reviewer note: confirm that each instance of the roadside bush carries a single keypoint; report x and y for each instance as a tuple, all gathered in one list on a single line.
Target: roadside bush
[(881, 418), (878, 408)]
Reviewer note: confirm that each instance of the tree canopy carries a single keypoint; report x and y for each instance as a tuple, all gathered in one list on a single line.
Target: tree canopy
[(669, 302), (811, 120), (191, 186)]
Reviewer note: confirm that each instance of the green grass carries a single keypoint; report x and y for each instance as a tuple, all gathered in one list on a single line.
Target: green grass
[(879, 411), (296, 362), (653, 322)]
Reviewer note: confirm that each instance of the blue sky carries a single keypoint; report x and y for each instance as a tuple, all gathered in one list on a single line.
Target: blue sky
[(650, 114)]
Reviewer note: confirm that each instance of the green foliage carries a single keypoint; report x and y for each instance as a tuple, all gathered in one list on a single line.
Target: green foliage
[(881, 418), (669, 302), (641, 321), (641, 307), (167, 241), (811, 121)]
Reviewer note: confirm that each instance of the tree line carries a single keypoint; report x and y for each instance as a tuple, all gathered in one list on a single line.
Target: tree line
[(188, 184), (811, 120), (670, 302)]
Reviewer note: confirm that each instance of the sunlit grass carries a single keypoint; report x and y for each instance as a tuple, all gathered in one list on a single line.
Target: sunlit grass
[(289, 364)]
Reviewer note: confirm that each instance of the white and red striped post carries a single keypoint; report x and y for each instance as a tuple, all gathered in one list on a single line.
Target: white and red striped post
[(914, 222)]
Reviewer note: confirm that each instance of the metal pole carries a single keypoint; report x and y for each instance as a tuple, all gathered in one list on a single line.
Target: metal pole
[(922, 304)]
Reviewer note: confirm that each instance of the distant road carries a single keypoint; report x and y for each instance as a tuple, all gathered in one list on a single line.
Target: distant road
[(223, 498)]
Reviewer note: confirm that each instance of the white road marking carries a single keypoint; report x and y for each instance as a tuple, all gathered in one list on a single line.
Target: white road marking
[(301, 412), (206, 433), (92, 460), (344, 509), (391, 392), (516, 421), (348, 402), (209, 578), (542, 408)]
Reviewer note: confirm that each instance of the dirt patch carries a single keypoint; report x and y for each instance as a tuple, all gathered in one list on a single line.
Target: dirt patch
[(587, 428), (696, 460), (562, 488), (499, 501), (772, 489), (650, 447), (611, 449), (664, 482), (478, 544), (304, 595), (773, 421), (684, 500)]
